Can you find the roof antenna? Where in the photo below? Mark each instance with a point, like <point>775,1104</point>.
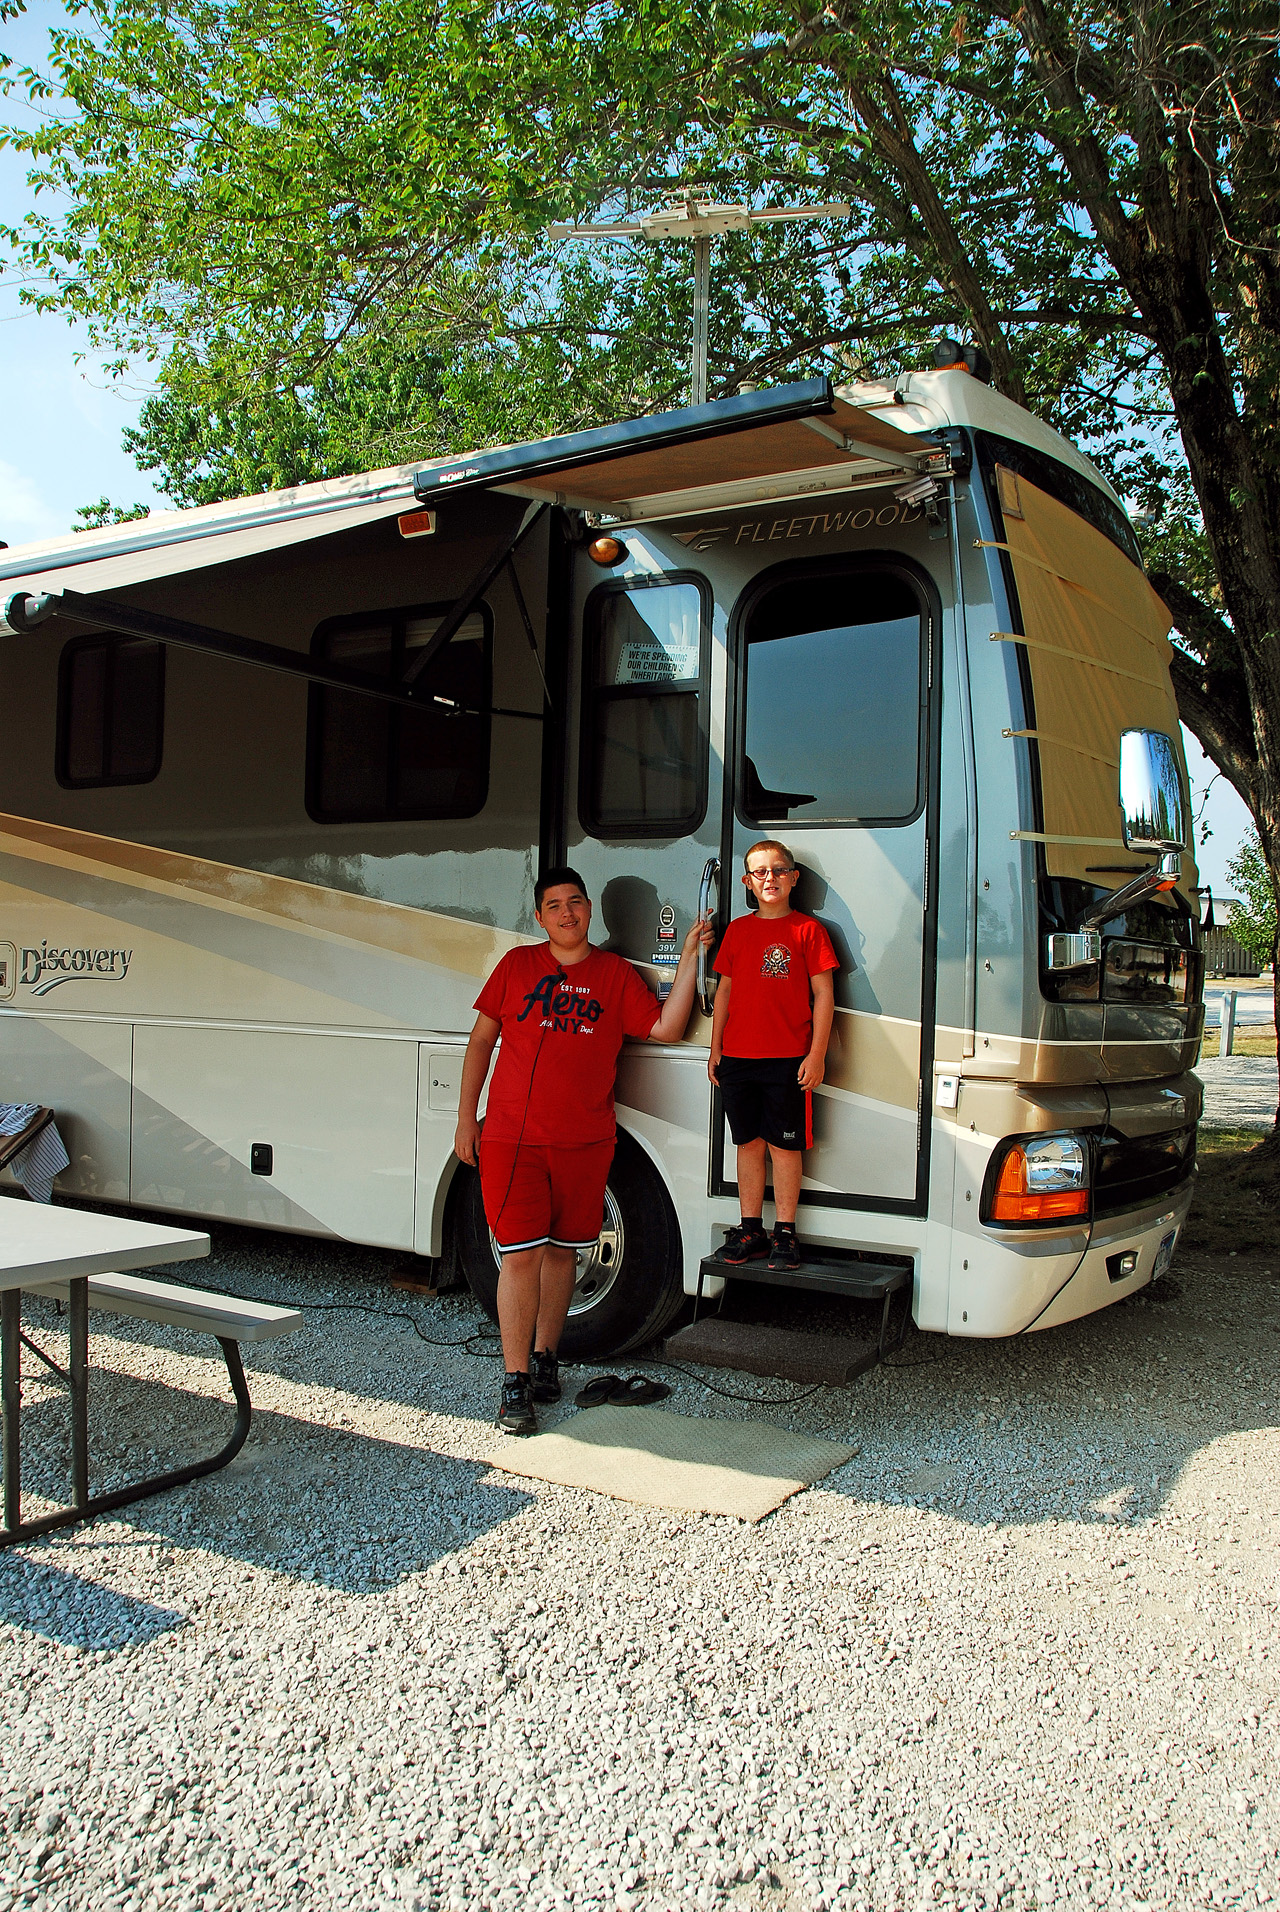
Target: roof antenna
<point>692,214</point>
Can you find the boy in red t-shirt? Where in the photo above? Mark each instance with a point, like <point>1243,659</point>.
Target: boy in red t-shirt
<point>769,1035</point>
<point>563,1010</point>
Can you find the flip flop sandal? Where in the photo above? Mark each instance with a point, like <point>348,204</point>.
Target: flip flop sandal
<point>637,1391</point>
<point>597,1392</point>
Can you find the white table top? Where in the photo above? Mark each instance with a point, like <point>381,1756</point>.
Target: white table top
<point>39,1244</point>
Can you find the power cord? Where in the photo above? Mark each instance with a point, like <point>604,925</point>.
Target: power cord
<point>467,1344</point>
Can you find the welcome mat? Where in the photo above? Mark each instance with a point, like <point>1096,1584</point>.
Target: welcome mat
<point>661,1459</point>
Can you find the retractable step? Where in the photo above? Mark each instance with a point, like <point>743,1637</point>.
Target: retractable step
<point>823,1274</point>
<point>783,1354</point>
<point>828,1360</point>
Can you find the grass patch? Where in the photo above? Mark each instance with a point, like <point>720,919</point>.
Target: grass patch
<point>1236,1206</point>
<point>1257,1040</point>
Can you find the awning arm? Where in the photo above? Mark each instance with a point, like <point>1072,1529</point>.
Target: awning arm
<point>23,613</point>
<point>456,617</point>
<point>859,448</point>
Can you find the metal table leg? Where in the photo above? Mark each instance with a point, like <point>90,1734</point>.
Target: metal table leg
<point>10,1358</point>
<point>84,1504</point>
<point>78,1379</point>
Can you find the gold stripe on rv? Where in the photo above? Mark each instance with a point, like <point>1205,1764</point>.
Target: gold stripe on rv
<point>448,942</point>
<point>875,1057</point>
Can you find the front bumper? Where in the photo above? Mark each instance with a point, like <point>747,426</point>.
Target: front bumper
<point>1010,1282</point>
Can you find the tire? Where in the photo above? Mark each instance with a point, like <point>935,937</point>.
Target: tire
<point>632,1285</point>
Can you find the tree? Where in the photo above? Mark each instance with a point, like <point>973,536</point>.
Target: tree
<point>263,189</point>
<point>104,512</point>
<point>1252,920</point>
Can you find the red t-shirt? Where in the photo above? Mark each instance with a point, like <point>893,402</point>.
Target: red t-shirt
<point>770,961</point>
<point>561,1033</point>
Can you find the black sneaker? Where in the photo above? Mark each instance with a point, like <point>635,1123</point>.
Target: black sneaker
<point>784,1251</point>
<point>516,1415</point>
<point>544,1374</point>
<point>744,1244</point>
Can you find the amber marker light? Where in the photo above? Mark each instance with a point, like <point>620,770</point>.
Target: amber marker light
<point>1043,1178</point>
<point>606,550</point>
<point>417,524</point>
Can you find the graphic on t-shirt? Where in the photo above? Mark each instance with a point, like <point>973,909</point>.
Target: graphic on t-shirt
<point>776,960</point>
<point>564,1005</point>
<point>561,1033</point>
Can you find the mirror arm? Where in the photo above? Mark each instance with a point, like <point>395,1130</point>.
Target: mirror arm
<point>1161,876</point>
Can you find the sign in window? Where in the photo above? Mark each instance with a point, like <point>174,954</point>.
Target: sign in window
<point>644,756</point>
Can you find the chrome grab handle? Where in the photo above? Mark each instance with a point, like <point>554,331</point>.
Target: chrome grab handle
<point>706,986</point>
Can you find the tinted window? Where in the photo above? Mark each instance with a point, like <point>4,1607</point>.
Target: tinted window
<point>833,700</point>
<point>374,762</point>
<point>110,712</point>
<point>1070,488</point>
<point>643,765</point>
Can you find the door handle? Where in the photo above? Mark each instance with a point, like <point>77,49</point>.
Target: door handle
<point>706,983</point>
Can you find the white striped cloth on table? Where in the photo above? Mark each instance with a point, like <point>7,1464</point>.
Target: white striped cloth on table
<point>44,1158</point>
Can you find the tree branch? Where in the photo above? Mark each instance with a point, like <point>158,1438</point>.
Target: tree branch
<point>1231,749</point>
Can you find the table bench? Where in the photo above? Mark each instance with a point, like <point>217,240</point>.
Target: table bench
<point>226,1317</point>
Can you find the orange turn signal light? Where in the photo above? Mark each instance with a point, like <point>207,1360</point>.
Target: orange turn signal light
<point>607,550</point>
<point>1012,1201</point>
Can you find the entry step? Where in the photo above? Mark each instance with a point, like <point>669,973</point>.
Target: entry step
<point>827,1275</point>
<point>822,1360</point>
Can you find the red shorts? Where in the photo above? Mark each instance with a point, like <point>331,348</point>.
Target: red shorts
<point>535,1194</point>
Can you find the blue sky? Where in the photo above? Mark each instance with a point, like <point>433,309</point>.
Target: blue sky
<point>64,419</point>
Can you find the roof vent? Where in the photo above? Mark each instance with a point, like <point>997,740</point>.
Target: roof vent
<point>950,356</point>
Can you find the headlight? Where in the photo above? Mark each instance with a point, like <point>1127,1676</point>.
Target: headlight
<point>1037,1178</point>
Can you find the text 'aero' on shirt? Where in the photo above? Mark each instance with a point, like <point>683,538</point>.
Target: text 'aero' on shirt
<point>769,961</point>
<point>562,1029</point>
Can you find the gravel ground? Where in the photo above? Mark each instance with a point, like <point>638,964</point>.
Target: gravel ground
<point>1021,1651</point>
<point>1239,1091</point>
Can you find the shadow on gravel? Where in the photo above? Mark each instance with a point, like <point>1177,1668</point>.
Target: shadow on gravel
<point>1093,1422</point>
<point>74,1611</point>
<point>326,1505</point>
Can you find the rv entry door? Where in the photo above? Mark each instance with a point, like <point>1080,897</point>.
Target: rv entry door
<point>831,751</point>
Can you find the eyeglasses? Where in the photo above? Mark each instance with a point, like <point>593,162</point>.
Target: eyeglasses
<point>758,876</point>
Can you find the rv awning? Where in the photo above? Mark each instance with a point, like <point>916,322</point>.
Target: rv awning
<point>170,542</point>
<point>792,438</point>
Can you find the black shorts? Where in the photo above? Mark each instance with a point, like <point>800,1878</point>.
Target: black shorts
<point>762,1099</point>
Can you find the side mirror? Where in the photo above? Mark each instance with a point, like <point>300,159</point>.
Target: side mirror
<point>1155,819</point>
<point>1151,799</point>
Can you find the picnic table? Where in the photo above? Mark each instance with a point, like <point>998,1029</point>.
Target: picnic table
<point>82,1258</point>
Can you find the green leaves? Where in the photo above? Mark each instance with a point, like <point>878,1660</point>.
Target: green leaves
<point>323,220</point>
<point>1252,920</point>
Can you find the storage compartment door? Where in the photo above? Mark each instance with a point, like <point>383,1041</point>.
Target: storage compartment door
<point>338,1113</point>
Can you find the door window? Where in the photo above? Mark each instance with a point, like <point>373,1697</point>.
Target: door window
<point>644,751</point>
<point>110,712</point>
<point>833,689</point>
<point>372,762</point>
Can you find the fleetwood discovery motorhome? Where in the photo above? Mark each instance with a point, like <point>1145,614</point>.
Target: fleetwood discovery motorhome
<point>278,774</point>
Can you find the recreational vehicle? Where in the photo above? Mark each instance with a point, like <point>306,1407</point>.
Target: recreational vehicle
<point>278,775</point>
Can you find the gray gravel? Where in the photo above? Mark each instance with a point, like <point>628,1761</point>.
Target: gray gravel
<point>1021,1651</point>
<point>1240,1092</point>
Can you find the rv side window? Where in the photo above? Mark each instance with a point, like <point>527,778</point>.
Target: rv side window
<point>643,745</point>
<point>370,762</point>
<point>110,712</point>
<point>832,718</point>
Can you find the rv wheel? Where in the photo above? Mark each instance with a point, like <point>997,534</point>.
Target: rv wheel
<point>628,1287</point>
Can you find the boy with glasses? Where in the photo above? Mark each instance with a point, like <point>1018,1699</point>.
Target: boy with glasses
<point>769,1034</point>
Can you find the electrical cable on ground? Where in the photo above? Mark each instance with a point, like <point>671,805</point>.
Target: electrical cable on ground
<point>466,1345</point>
